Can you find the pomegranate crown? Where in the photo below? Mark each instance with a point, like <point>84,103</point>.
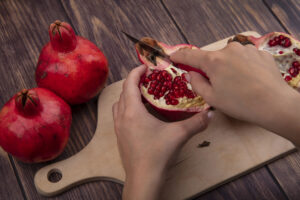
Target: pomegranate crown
<point>27,102</point>
<point>62,36</point>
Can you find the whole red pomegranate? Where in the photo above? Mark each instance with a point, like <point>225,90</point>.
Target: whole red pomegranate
<point>71,66</point>
<point>285,50</point>
<point>164,85</point>
<point>34,125</point>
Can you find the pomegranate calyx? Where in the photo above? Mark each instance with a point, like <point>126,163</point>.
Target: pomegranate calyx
<point>62,36</point>
<point>27,102</point>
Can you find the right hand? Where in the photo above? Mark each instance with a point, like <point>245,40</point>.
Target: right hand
<point>244,82</point>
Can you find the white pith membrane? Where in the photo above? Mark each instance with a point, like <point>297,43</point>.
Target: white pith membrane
<point>195,104</point>
<point>284,57</point>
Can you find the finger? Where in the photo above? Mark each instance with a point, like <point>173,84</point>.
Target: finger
<point>196,123</point>
<point>200,85</point>
<point>131,90</point>
<point>191,57</point>
<point>251,46</point>
<point>121,104</point>
<point>115,111</point>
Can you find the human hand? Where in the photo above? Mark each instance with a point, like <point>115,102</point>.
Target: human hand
<point>147,145</point>
<point>243,81</point>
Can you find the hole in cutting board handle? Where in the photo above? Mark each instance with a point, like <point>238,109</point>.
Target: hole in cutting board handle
<point>54,175</point>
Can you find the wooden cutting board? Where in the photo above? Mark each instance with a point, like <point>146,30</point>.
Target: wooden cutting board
<point>235,149</point>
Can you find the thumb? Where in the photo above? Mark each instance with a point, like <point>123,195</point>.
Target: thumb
<point>200,85</point>
<point>196,123</point>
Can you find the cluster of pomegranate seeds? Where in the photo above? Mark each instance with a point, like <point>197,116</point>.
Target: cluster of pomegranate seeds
<point>293,70</point>
<point>162,84</point>
<point>297,51</point>
<point>280,40</point>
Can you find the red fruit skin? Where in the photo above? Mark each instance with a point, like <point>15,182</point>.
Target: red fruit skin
<point>38,137</point>
<point>76,76</point>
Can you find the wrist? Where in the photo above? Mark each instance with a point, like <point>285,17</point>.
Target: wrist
<point>281,113</point>
<point>143,183</point>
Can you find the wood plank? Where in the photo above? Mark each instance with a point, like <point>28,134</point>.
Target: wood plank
<point>9,186</point>
<point>108,18</point>
<point>287,13</point>
<point>287,170</point>
<point>217,19</point>
<point>256,185</point>
<point>23,26</point>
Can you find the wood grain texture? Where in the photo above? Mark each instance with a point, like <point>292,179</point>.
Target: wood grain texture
<point>23,32</point>
<point>287,170</point>
<point>102,21</point>
<point>9,186</point>
<point>217,19</point>
<point>287,13</point>
<point>257,185</point>
<point>232,17</point>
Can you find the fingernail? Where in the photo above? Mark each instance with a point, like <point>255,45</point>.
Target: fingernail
<point>187,77</point>
<point>210,114</point>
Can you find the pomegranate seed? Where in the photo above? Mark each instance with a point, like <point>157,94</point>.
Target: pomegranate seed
<point>177,79</point>
<point>288,78</point>
<point>176,87</point>
<point>153,76</point>
<point>164,73</point>
<point>183,77</point>
<point>147,80</point>
<point>159,77</point>
<point>293,71</point>
<point>156,71</point>
<point>156,92</point>
<point>298,52</point>
<point>163,88</point>
<point>151,91</point>
<point>145,84</point>
<point>280,52</point>
<point>272,43</point>
<point>161,94</point>
<point>281,37</point>
<point>174,101</point>
<point>294,49</point>
<point>295,64</point>
<point>158,87</point>
<point>287,42</point>
<point>276,39</point>
<point>168,102</point>
<point>174,71</point>
<point>169,77</point>
<point>152,85</point>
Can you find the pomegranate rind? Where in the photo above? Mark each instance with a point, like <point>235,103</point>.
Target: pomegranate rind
<point>186,107</point>
<point>36,138</point>
<point>284,56</point>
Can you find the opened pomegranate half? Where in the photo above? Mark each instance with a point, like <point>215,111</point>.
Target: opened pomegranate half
<point>285,50</point>
<point>164,84</point>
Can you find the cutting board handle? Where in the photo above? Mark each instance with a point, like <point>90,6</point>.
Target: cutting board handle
<point>77,169</point>
<point>69,171</point>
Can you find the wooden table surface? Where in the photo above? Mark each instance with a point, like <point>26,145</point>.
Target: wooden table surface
<point>24,23</point>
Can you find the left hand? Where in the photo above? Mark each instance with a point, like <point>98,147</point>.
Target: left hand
<point>147,145</point>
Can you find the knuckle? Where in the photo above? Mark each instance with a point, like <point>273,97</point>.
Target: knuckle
<point>234,46</point>
<point>214,57</point>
